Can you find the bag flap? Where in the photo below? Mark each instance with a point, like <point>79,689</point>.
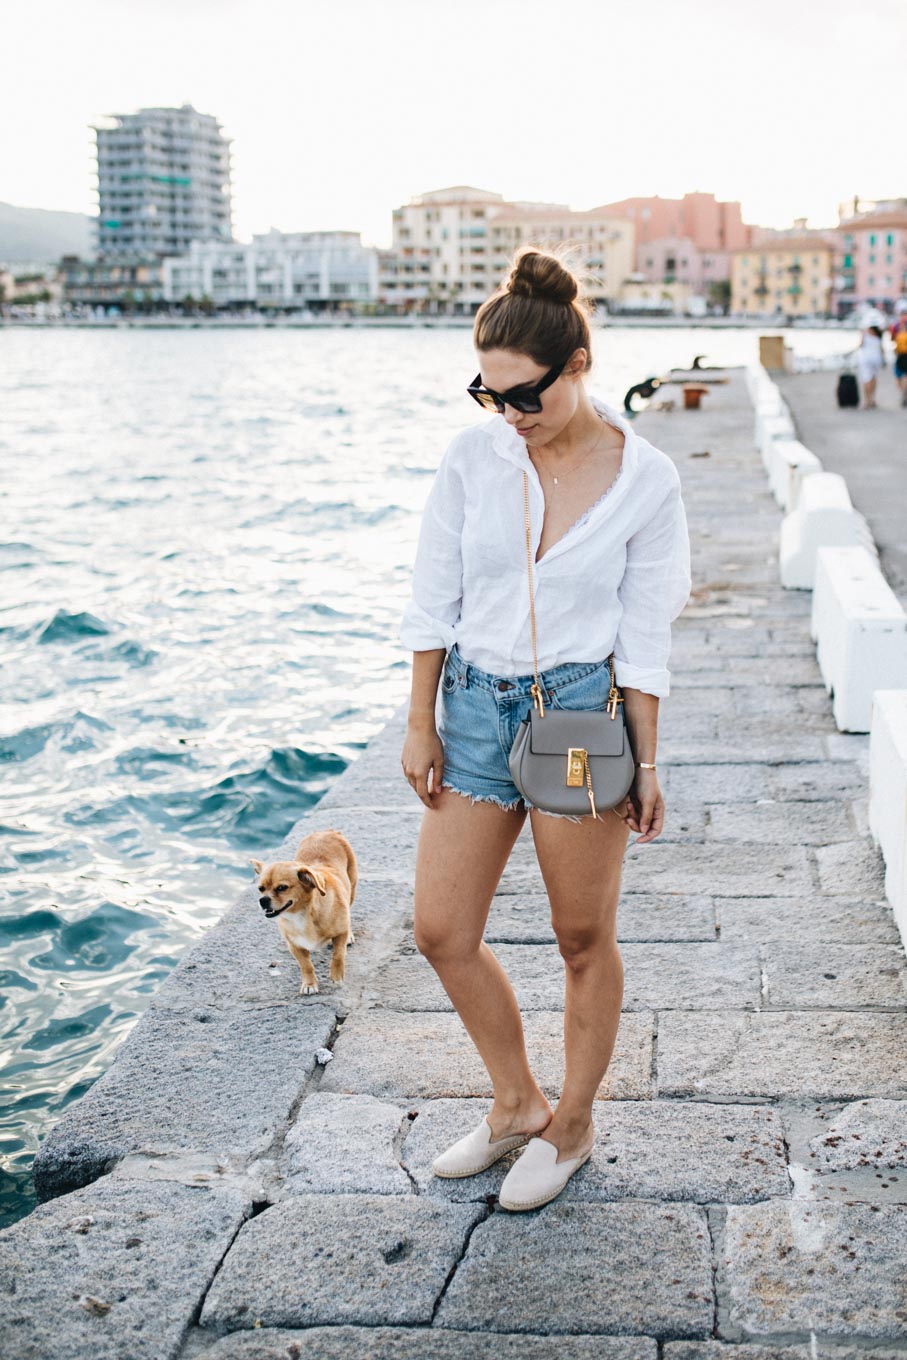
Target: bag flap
<point>559,729</point>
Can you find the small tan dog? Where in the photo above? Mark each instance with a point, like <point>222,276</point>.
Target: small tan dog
<point>311,899</point>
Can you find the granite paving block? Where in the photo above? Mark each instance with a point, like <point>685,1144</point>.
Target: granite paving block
<point>815,1267</point>
<point>201,1080</point>
<point>722,870</point>
<point>328,1259</point>
<point>864,1133</point>
<point>721,1350</point>
<point>834,1054</point>
<point>396,1054</point>
<point>809,919</point>
<point>730,783</point>
<point>765,746</point>
<point>776,823</point>
<point>344,1143</point>
<point>853,976</point>
<point>627,1267</point>
<point>816,782</point>
<point>384,840</point>
<point>690,976</point>
<point>112,1271</point>
<point>420,1343</point>
<point>519,919</point>
<point>783,700</point>
<point>658,1150</point>
<point>243,960</point>
<point>851,869</point>
<point>685,975</point>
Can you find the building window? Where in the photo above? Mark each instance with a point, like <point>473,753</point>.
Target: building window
<point>872,238</point>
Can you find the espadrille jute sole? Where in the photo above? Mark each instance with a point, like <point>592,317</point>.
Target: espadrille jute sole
<point>474,1170</point>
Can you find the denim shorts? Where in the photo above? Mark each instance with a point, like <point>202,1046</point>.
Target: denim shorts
<point>480,714</point>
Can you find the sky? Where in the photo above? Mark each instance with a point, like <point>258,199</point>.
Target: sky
<point>339,112</point>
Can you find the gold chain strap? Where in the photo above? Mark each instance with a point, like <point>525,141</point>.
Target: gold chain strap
<point>535,689</point>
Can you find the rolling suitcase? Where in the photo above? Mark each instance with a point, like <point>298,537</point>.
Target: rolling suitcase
<point>848,391</point>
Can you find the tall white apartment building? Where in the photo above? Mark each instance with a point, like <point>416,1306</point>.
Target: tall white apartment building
<point>163,182</point>
<point>451,247</point>
<point>314,269</point>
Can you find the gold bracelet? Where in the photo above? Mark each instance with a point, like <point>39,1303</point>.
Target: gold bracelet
<point>644,765</point>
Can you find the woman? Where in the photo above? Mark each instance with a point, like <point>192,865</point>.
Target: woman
<point>612,570</point>
<point>869,364</point>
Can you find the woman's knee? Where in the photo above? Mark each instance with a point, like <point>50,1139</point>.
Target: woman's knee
<point>581,946</point>
<point>439,943</point>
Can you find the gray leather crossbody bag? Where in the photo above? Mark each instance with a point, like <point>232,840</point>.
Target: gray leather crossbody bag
<point>570,761</point>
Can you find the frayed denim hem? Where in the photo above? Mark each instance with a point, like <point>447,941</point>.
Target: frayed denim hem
<point>482,797</point>
<point>508,807</point>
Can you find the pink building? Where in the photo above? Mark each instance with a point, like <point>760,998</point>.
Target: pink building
<point>871,265</point>
<point>686,240</point>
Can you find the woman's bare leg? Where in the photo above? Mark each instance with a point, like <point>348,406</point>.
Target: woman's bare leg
<point>582,865</point>
<point>463,848</point>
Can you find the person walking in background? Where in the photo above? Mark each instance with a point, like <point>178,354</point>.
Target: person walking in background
<point>899,336</point>
<point>869,364</point>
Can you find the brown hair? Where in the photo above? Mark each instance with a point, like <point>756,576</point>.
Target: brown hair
<point>539,310</point>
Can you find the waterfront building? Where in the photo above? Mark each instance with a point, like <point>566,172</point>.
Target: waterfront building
<point>451,247</point>
<point>684,242</point>
<point>871,259</point>
<point>700,218</point>
<point>27,285</point>
<point>601,246</point>
<point>317,270</point>
<point>163,182</point>
<point>119,282</point>
<point>439,255</point>
<point>784,275</point>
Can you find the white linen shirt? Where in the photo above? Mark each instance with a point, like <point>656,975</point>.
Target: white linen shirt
<point>614,581</point>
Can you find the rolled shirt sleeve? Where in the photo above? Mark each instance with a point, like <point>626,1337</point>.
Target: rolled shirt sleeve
<point>437,582</point>
<point>655,588</point>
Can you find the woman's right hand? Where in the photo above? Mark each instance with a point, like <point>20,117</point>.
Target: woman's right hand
<point>423,751</point>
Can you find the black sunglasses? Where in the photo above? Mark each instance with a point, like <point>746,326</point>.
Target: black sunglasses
<point>526,397</point>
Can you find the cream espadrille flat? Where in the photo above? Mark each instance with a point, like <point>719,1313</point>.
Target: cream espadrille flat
<point>476,1151</point>
<point>536,1176</point>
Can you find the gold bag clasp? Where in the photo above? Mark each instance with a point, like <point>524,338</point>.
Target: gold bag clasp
<point>576,762</point>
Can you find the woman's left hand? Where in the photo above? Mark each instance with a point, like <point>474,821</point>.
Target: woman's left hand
<point>645,806</point>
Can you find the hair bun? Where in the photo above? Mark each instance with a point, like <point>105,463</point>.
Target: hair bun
<point>536,274</point>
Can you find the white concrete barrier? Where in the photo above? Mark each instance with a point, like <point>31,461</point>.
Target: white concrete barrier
<point>823,517</point>
<point>860,632</point>
<point>888,794</point>
<point>789,462</point>
<point>774,427</point>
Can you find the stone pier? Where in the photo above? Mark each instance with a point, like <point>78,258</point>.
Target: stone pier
<point>251,1179</point>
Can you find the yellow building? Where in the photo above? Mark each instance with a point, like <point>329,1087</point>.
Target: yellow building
<point>788,275</point>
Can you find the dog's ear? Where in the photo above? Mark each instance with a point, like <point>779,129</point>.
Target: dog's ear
<point>310,878</point>
<point>256,865</point>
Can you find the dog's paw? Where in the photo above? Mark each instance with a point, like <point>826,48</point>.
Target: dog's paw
<point>351,938</point>
<point>307,988</point>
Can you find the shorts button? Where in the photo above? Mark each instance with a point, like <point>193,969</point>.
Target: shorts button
<point>504,684</point>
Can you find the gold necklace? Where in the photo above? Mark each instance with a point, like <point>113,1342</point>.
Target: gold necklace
<point>582,461</point>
